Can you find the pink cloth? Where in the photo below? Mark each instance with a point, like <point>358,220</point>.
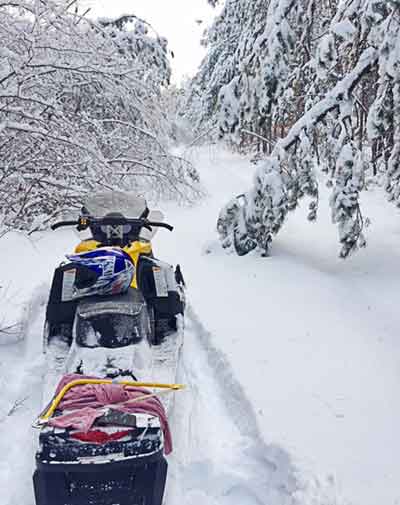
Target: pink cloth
<point>87,401</point>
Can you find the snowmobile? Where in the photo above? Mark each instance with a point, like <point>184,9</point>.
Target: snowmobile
<point>114,316</point>
<point>154,287</point>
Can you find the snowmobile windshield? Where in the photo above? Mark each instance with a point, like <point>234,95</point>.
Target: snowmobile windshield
<point>123,202</point>
<point>108,330</point>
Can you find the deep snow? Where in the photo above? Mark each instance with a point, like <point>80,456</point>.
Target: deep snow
<point>292,361</point>
<point>312,339</point>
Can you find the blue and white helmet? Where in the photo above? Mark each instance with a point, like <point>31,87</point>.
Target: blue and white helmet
<point>104,271</point>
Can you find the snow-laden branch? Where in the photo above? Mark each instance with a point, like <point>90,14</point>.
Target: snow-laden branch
<point>337,96</point>
<point>80,105</point>
<point>347,52</point>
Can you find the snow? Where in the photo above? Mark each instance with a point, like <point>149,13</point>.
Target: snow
<point>291,361</point>
<point>312,339</point>
<point>344,29</point>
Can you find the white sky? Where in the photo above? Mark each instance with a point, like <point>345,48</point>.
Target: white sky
<point>173,19</point>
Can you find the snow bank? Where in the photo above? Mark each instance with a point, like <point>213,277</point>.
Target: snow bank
<point>26,263</point>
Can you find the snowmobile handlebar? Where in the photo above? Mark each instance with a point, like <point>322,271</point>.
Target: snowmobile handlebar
<point>63,223</point>
<point>85,222</point>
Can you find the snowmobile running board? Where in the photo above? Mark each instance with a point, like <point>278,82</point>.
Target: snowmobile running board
<point>46,415</point>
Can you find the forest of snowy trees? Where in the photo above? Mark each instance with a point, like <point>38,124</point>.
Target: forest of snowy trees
<point>302,85</point>
<point>307,84</point>
<point>80,110</point>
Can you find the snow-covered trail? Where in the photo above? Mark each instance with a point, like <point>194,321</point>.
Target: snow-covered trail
<point>312,339</point>
<point>220,456</point>
<point>291,362</point>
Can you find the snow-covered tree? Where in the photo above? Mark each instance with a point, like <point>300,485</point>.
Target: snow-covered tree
<point>80,110</point>
<point>329,72</point>
<point>254,73</point>
<point>217,69</point>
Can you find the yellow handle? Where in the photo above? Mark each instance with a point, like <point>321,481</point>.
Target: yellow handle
<point>79,382</point>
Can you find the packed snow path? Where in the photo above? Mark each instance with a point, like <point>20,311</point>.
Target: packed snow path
<point>291,361</point>
<point>219,456</point>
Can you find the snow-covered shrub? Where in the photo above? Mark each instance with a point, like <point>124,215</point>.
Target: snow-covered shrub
<point>80,110</point>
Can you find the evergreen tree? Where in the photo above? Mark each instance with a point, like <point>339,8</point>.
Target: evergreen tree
<point>317,83</point>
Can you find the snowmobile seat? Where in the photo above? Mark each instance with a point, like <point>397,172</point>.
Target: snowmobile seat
<point>112,321</point>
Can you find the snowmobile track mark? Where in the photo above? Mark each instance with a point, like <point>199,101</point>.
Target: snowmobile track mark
<point>223,455</point>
